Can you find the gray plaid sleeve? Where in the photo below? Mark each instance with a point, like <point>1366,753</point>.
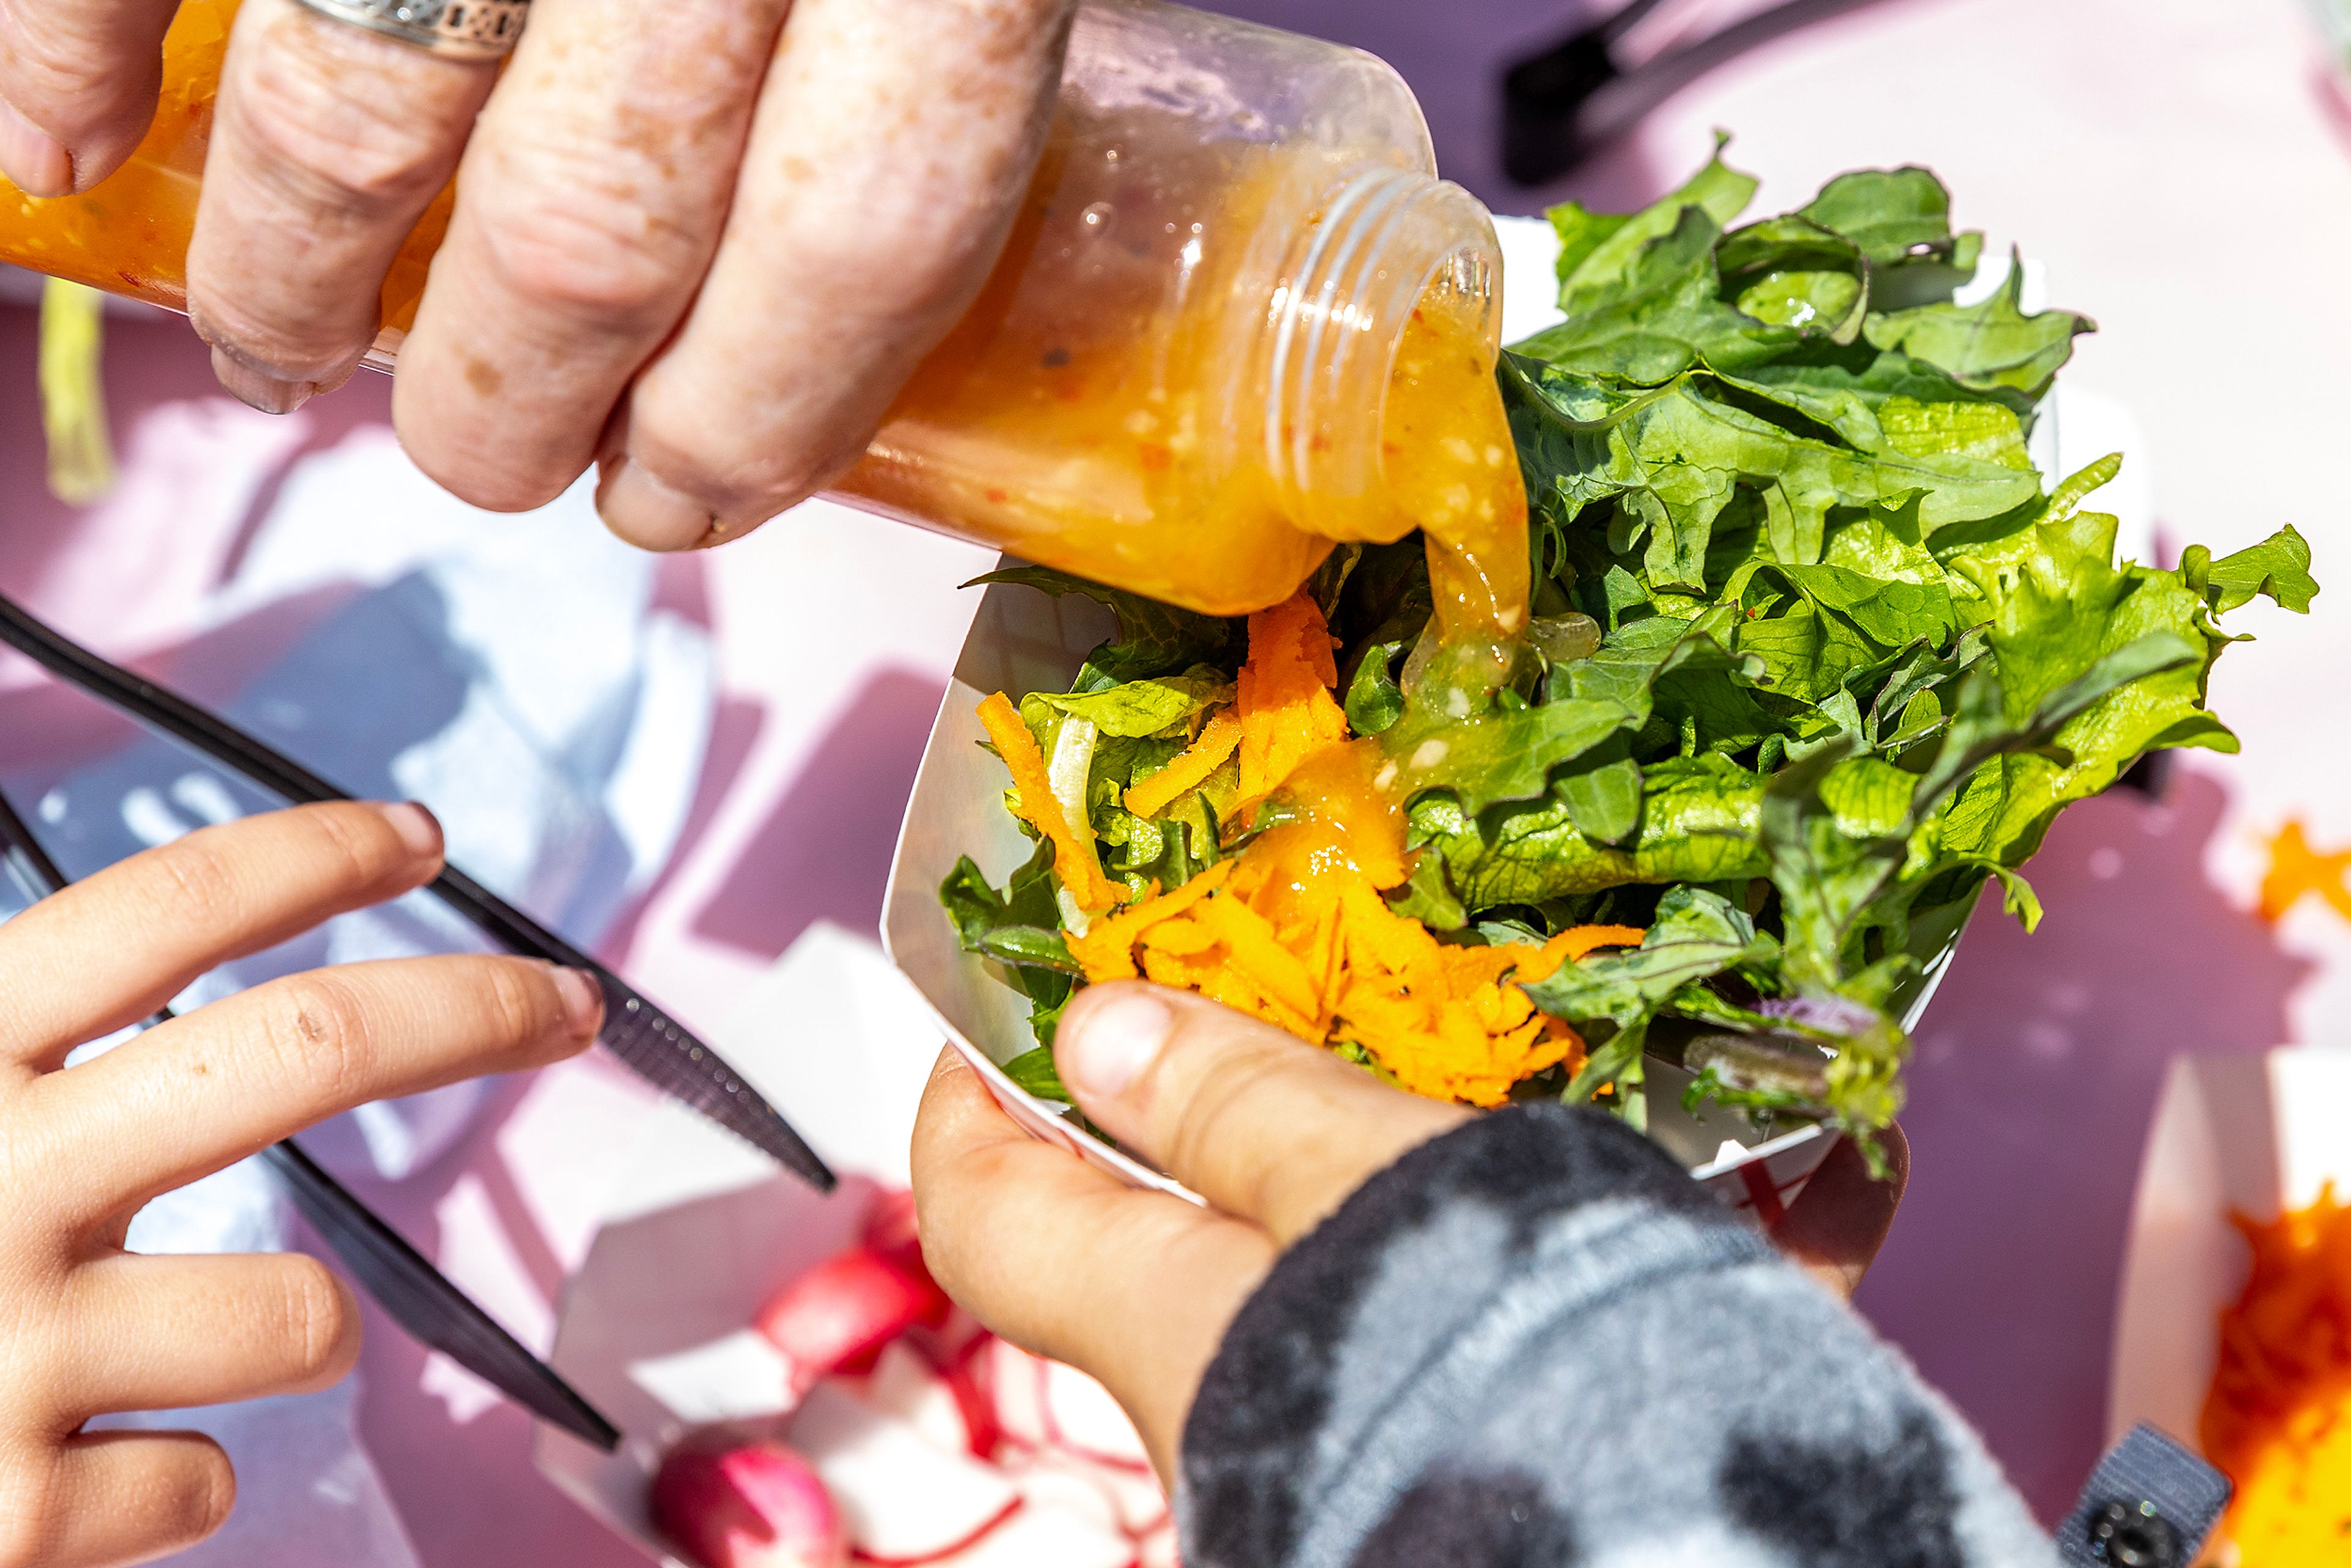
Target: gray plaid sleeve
<point>1535,1344</point>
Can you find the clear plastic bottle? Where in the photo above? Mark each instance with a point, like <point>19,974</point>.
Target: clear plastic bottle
<point>1238,318</point>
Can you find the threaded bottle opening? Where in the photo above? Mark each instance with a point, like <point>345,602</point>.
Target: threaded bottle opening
<point>1384,242</point>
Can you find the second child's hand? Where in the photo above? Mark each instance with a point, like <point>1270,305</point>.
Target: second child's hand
<point>1137,1287</point>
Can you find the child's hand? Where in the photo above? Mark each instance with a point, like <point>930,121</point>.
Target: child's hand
<point>1137,1287</point>
<point>86,1328</point>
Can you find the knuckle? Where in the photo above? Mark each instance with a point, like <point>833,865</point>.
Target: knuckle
<point>587,230</point>
<point>195,1499</point>
<point>51,65</point>
<point>200,885</point>
<point>363,153</point>
<point>320,1034</point>
<point>1208,1142</point>
<point>314,1316</point>
<point>745,471</point>
<point>355,841</point>
<point>514,995</point>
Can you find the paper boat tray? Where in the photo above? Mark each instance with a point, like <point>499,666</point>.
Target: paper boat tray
<point>1023,640</point>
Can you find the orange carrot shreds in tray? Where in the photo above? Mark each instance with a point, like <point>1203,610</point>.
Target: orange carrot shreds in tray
<point>1573,944</point>
<point>1106,950</point>
<point>1287,712</point>
<point>1074,861</point>
<point>2278,1418</point>
<point>1219,739</point>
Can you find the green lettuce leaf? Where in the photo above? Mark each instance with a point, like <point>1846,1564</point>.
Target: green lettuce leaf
<point>1610,997</point>
<point>2279,566</point>
<point>1153,639</point>
<point>1597,251</point>
<point>1133,709</point>
<point>1991,346</point>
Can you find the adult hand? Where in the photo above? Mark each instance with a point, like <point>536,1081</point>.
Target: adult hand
<point>702,243</point>
<point>87,1328</point>
<point>1136,1288</point>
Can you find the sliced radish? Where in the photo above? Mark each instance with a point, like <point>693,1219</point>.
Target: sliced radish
<point>1142,1503</point>
<point>751,1505</point>
<point>1035,1538</point>
<point>1157,1549</point>
<point>967,1376</point>
<point>838,1315</point>
<point>905,1500</point>
<point>908,1388</point>
<point>1051,1483</point>
<point>1080,1414</point>
<point>890,1229</point>
<point>1015,1380</point>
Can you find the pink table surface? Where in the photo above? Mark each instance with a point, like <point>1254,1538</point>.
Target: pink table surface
<point>2186,175</point>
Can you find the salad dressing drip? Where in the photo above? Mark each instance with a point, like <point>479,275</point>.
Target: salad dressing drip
<point>1452,471</point>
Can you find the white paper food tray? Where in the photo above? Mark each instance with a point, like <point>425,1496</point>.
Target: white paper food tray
<point>1023,639</point>
<point>2257,1135</point>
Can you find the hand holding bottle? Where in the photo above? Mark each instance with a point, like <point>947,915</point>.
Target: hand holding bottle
<point>702,243</point>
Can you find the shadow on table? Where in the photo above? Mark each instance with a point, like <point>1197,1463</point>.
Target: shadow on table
<point>2036,1072</point>
<point>823,853</point>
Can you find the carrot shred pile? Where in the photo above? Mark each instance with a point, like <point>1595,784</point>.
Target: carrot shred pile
<point>1074,859</point>
<point>1287,712</point>
<point>2278,1418</point>
<point>1293,928</point>
<point>1218,738</point>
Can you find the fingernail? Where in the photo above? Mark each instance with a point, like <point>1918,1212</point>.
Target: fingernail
<point>648,512</point>
<point>35,160</point>
<point>418,829</point>
<point>583,1002</point>
<point>257,388</point>
<point>1112,1044</point>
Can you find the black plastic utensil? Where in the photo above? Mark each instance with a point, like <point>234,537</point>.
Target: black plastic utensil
<point>646,1039</point>
<point>1561,104</point>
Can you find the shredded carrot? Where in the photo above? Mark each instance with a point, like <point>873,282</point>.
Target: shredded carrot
<point>1573,944</point>
<point>1286,713</point>
<point>1218,740</point>
<point>1293,928</point>
<point>2278,1418</point>
<point>1106,951</point>
<point>1073,857</point>
<point>2296,869</point>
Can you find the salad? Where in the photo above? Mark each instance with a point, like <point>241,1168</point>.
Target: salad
<point>1812,651</point>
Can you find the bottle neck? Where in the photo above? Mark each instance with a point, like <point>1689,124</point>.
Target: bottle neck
<point>1386,240</point>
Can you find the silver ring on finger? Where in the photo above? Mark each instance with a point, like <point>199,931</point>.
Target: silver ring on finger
<point>459,30</point>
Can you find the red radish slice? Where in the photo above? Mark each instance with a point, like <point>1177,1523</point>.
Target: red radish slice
<point>1053,1484</point>
<point>1142,1504</point>
<point>838,1315</point>
<point>890,1229</point>
<point>1017,1379</point>
<point>1035,1538</point>
<point>904,1501</point>
<point>967,1379</point>
<point>1157,1549</point>
<point>907,1387</point>
<point>753,1505</point>
<point>1080,1414</point>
